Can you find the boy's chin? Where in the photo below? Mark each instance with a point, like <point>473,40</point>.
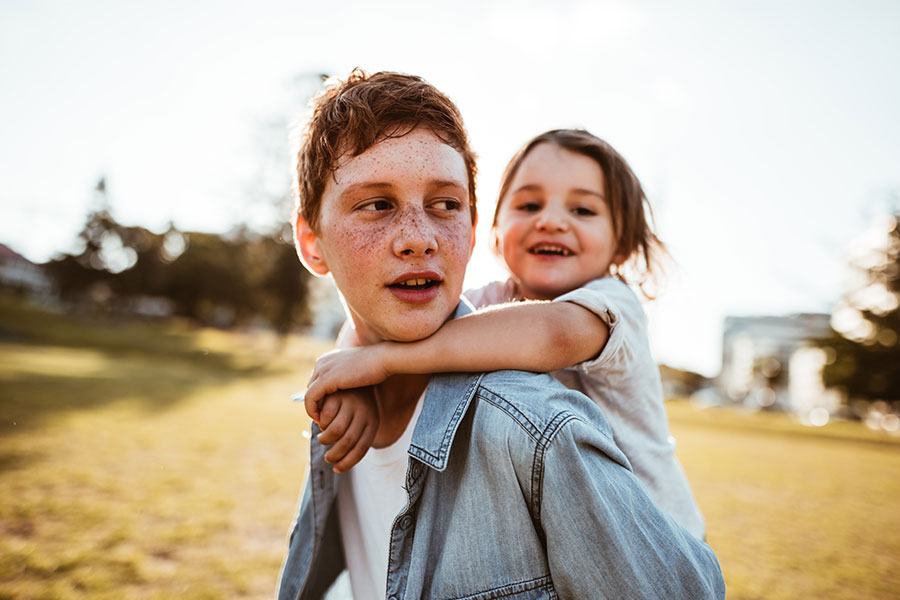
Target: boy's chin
<point>412,334</point>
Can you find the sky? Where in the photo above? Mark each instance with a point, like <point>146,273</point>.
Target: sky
<point>766,133</point>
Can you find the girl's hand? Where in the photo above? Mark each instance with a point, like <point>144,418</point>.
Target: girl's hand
<point>349,421</point>
<point>344,370</point>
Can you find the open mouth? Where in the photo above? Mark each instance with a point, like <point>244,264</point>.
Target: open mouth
<point>550,250</point>
<point>415,284</point>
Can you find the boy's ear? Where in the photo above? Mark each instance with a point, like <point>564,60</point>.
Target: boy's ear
<point>308,247</point>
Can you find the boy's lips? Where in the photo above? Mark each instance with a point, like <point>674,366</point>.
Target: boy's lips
<point>416,287</point>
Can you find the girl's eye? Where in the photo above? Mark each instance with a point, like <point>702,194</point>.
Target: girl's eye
<point>529,207</point>
<point>583,211</point>
<point>376,205</point>
<point>449,204</point>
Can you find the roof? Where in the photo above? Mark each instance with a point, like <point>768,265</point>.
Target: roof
<point>6,253</point>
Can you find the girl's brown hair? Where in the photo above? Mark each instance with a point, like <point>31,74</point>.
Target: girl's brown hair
<point>631,213</point>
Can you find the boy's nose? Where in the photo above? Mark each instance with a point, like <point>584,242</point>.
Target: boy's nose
<point>415,234</point>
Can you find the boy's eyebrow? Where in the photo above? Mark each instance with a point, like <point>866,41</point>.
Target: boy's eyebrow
<point>365,185</point>
<point>444,183</point>
<point>385,186</point>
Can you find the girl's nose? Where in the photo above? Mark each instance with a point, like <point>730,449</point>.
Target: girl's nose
<point>552,220</point>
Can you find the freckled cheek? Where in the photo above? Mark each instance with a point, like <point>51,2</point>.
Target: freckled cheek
<point>355,249</point>
<point>456,238</point>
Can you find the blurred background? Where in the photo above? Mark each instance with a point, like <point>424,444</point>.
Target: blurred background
<point>154,319</point>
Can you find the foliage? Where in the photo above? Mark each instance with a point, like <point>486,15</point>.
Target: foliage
<point>215,279</point>
<point>866,352</point>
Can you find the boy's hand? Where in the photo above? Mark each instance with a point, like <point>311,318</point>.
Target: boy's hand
<point>349,421</point>
<point>344,370</point>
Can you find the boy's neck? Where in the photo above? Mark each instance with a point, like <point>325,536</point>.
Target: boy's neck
<point>396,399</point>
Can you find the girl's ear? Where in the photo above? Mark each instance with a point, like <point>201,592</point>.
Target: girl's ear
<point>308,248</point>
<point>495,242</point>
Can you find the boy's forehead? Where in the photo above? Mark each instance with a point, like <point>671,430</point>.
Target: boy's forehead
<point>418,156</point>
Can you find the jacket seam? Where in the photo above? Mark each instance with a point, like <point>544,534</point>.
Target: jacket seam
<point>509,589</point>
<point>516,415</point>
<point>537,468</point>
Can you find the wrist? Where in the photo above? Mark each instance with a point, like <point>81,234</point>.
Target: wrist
<point>385,355</point>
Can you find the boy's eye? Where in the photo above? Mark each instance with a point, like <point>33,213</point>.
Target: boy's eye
<point>376,205</point>
<point>583,211</point>
<point>449,204</point>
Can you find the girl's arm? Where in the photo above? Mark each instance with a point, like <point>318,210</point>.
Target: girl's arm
<point>529,336</point>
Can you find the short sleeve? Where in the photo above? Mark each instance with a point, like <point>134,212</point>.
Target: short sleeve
<point>617,306</point>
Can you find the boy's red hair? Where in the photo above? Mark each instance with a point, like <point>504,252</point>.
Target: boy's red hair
<point>352,115</point>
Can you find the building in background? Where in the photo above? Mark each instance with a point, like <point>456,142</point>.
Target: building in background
<point>24,277</point>
<point>776,363</point>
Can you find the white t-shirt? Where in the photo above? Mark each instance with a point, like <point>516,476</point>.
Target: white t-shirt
<point>370,496</point>
<point>624,380</point>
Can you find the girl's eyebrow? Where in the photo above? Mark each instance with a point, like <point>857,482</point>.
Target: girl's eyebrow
<point>587,192</point>
<point>528,187</point>
<point>534,187</point>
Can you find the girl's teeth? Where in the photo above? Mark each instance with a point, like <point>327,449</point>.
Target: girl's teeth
<point>551,249</point>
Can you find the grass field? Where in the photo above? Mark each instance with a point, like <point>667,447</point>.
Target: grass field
<point>148,461</point>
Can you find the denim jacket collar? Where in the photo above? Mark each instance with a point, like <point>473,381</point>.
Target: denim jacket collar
<point>446,401</point>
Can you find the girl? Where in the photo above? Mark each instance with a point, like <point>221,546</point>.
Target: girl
<point>572,225</point>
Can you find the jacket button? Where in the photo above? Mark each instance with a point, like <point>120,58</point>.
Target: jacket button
<point>405,522</point>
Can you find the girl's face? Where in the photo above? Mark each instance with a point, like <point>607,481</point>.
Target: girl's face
<point>554,227</point>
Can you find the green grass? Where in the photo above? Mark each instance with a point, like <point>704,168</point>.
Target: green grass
<point>159,461</point>
<point>794,511</point>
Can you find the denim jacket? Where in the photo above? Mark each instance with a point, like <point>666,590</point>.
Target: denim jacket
<point>516,490</point>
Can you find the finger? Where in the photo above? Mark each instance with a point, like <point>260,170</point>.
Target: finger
<point>336,429</point>
<point>358,451</point>
<point>342,446</point>
<point>312,400</point>
<point>331,408</point>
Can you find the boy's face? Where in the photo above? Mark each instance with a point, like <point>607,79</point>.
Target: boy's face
<point>395,233</point>
<point>554,228</point>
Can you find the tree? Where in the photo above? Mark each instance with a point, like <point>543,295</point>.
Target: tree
<point>865,348</point>
<point>221,280</point>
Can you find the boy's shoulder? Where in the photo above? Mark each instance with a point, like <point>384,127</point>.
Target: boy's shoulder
<point>495,292</point>
<point>537,401</point>
<point>509,413</point>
